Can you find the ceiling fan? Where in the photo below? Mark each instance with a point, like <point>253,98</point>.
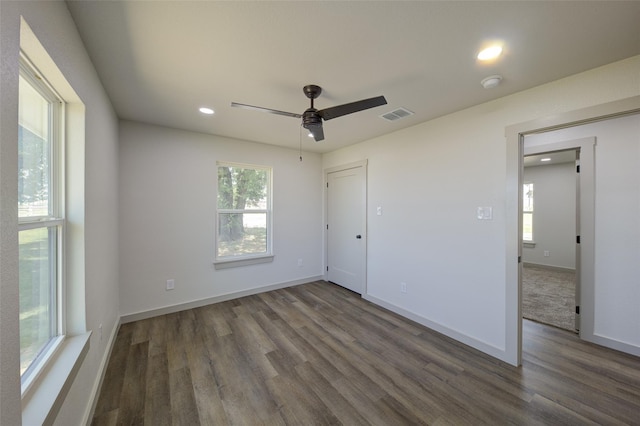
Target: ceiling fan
<point>312,118</point>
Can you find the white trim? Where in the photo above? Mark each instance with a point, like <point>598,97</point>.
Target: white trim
<point>42,406</point>
<point>243,261</point>
<point>449,332</point>
<point>612,343</point>
<point>215,299</point>
<point>355,164</point>
<point>548,267</point>
<point>42,223</point>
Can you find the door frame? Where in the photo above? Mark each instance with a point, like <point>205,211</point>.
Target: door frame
<point>513,204</point>
<point>348,166</point>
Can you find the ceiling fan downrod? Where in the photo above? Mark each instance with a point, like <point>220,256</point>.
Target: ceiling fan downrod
<point>310,118</point>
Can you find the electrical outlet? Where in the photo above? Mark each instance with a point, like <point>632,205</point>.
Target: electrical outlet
<point>546,253</point>
<point>403,287</point>
<point>171,284</point>
<point>299,262</point>
<point>100,328</point>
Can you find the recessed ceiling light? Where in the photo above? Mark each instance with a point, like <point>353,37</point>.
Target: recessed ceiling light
<point>206,110</point>
<point>545,159</point>
<point>310,135</point>
<point>489,53</point>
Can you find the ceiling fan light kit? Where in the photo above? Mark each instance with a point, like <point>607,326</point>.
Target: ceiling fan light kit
<point>312,118</point>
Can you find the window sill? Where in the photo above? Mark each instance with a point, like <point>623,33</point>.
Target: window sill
<point>528,244</point>
<point>41,403</point>
<point>245,261</point>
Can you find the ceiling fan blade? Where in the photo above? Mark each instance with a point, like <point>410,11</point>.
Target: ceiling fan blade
<point>272,111</point>
<point>340,110</point>
<point>316,131</point>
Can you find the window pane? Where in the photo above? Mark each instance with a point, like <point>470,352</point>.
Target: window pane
<point>527,227</point>
<point>242,233</point>
<point>242,188</point>
<point>34,153</point>
<point>527,195</point>
<point>37,248</point>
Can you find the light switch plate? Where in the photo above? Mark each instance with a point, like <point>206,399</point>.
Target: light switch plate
<point>484,213</point>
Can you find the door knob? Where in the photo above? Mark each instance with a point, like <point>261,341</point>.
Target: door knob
<point>358,236</point>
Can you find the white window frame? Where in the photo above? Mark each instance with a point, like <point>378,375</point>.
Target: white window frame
<point>55,219</point>
<point>529,212</point>
<point>223,262</point>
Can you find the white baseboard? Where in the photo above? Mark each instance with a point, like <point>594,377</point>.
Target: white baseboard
<point>487,348</point>
<point>215,299</point>
<point>549,267</point>
<point>611,343</point>
<point>102,370</point>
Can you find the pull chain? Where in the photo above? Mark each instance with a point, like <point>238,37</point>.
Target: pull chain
<point>300,142</point>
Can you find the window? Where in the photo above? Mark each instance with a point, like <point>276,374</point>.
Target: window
<point>243,212</point>
<point>527,212</point>
<point>40,219</point>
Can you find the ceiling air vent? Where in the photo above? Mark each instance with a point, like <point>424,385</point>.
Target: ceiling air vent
<point>397,114</point>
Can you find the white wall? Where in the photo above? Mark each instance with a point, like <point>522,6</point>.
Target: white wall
<point>53,26</point>
<point>167,217</point>
<point>554,217</point>
<point>616,315</point>
<point>430,179</point>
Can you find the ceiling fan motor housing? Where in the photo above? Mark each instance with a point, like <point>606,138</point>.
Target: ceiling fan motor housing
<point>311,118</point>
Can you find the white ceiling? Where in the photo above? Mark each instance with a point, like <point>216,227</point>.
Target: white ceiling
<point>161,61</point>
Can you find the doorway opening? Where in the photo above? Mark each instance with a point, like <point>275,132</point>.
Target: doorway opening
<point>550,253</point>
<point>550,133</point>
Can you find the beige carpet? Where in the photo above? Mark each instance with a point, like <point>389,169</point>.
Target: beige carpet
<point>548,296</point>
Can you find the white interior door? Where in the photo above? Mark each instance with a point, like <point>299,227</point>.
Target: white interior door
<point>346,228</point>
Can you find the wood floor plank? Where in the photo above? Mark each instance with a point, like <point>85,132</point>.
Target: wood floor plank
<point>131,406</point>
<point>205,389</point>
<point>276,329</point>
<point>319,354</point>
<point>255,344</point>
<point>239,384</point>
<point>413,396</point>
<point>110,395</point>
<point>298,405</point>
<point>338,357</point>
<point>110,418</point>
<point>157,409</point>
<point>339,406</point>
<point>372,410</point>
<point>184,410</point>
<point>550,412</point>
<point>240,411</point>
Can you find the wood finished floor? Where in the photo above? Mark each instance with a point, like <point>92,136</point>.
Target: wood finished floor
<point>319,354</point>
